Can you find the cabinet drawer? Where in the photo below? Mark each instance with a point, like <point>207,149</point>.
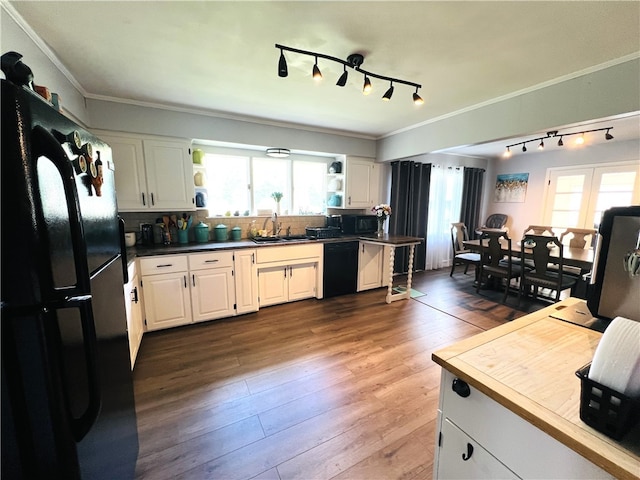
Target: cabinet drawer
<point>163,264</point>
<point>462,457</point>
<point>201,261</point>
<point>288,253</point>
<point>517,443</point>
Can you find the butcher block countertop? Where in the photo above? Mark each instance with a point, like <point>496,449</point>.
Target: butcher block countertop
<point>528,366</point>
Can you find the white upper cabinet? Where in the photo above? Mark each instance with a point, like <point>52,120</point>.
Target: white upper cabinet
<point>151,174</point>
<point>362,183</point>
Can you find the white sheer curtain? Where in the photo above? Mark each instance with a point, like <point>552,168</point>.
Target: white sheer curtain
<point>445,198</point>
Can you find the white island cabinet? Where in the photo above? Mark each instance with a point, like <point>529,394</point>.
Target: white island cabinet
<point>151,173</point>
<point>370,265</point>
<point>133,307</point>
<point>510,402</point>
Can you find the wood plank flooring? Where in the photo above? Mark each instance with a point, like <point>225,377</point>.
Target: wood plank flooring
<point>342,388</point>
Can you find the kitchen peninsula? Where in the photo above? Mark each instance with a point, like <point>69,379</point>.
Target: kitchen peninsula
<point>509,405</point>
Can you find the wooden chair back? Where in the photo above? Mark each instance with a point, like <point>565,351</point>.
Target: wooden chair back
<point>459,234</point>
<point>578,237</point>
<point>539,230</point>
<point>540,245</point>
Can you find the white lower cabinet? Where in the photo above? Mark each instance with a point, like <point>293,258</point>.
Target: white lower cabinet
<point>370,266</point>
<point>504,444</point>
<point>286,283</point>
<point>246,281</point>
<point>133,307</point>
<point>212,287</point>
<point>167,301</point>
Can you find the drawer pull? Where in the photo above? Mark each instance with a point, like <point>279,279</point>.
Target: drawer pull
<point>164,265</point>
<point>461,388</point>
<point>467,456</point>
<point>211,261</point>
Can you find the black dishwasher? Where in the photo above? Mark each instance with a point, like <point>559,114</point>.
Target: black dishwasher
<point>340,268</point>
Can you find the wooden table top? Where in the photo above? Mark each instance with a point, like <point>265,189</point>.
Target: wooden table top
<point>575,257</point>
<point>528,366</point>
<point>395,240</point>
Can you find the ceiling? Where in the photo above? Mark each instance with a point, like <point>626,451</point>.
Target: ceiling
<point>219,56</point>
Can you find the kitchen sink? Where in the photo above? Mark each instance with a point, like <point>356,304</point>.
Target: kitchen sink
<point>283,238</point>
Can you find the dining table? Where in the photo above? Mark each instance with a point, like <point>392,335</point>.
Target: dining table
<point>581,258</point>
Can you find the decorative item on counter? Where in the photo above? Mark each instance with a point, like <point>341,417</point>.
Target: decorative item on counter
<point>382,211</point>
<point>183,236</point>
<point>335,167</point>
<point>236,234</point>
<point>202,232</point>
<point>221,232</point>
<point>147,234</point>
<point>130,239</point>
<point>253,230</point>
<point>198,156</point>
<point>277,196</point>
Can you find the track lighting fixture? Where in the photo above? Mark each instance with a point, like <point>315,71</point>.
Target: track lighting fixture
<point>317,75</point>
<point>387,96</point>
<point>366,88</point>
<point>278,152</point>
<point>554,133</point>
<point>354,61</point>
<point>282,65</point>
<point>342,81</point>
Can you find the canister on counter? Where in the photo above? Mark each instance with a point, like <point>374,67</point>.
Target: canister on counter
<point>202,232</point>
<point>221,233</point>
<point>236,234</point>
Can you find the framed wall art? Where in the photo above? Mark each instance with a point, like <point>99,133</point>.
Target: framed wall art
<point>511,187</point>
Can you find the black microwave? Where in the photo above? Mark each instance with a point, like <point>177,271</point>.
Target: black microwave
<point>359,224</point>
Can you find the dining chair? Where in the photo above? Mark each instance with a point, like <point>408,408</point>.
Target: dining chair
<point>542,275</point>
<point>462,256</point>
<point>577,237</point>
<point>496,260</point>
<point>495,221</point>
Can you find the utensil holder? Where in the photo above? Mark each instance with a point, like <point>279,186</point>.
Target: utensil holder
<point>604,409</point>
<point>183,236</point>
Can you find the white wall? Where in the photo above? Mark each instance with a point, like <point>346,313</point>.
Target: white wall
<point>536,164</point>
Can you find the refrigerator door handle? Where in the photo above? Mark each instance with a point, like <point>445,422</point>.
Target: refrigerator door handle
<point>81,425</point>
<point>45,144</point>
<point>123,251</point>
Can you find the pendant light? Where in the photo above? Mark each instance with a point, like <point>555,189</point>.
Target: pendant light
<point>366,88</point>
<point>282,65</point>
<point>317,75</point>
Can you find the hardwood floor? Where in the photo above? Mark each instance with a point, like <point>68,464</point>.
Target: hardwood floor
<point>342,388</point>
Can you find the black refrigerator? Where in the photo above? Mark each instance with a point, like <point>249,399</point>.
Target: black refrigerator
<point>67,393</point>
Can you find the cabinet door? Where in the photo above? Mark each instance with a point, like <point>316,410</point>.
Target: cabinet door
<point>370,259</point>
<point>361,184</point>
<point>131,184</point>
<point>272,286</point>
<point>169,175</point>
<point>212,294</point>
<point>302,281</point>
<point>462,457</point>
<point>135,326</point>
<point>246,280</point>
<point>166,300</point>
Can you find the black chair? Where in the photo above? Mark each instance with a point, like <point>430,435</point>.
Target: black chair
<point>547,272</point>
<point>496,261</point>
<point>462,256</point>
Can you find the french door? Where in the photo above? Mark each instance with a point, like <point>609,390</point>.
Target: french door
<point>576,197</point>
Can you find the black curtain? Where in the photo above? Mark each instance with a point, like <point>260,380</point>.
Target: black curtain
<point>410,204</point>
<point>471,199</point>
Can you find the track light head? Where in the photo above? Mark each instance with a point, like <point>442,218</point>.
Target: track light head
<point>417,99</point>
<point>366,88</point>
<point>507,153</point>
<point>580,139</point>
<point>282,65</point>
<point>560,142</point>
<point>541,146</point>
<point>387,96</point>
<point>524,147</point>
<point>608,136</point>
<point>317,75</point>
<point>342,81</point>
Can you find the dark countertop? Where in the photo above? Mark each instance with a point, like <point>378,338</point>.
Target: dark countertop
<point>193,247</point>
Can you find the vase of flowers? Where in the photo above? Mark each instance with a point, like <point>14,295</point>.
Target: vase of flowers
<point>277,196</point>
<point>382,211</point>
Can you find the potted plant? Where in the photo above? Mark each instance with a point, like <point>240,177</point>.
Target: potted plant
<point>277,196</point>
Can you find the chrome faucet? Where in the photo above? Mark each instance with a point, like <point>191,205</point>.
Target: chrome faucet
<point>274,219</point>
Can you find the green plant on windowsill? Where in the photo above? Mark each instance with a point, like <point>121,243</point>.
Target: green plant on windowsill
<point>277,196</point>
